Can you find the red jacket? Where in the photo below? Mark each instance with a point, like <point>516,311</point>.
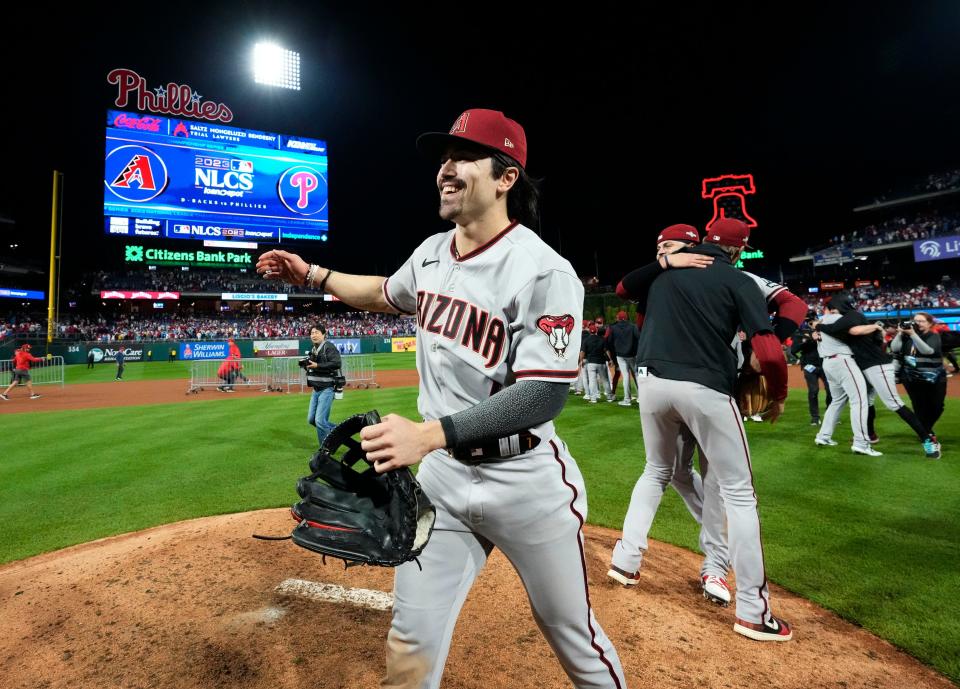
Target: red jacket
<point>22,359</point>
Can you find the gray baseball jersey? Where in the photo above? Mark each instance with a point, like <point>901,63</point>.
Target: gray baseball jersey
<point>508,311</point>
<point>846,385</point>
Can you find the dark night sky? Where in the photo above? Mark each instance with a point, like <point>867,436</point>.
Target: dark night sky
<point>624,112</point>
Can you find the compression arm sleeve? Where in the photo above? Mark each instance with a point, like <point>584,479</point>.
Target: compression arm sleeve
<point>515,408</point>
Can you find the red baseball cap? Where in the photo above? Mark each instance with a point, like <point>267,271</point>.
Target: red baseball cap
<point>729,232</point>
<point>488,128</point>
<point>679,233</point>
<point>621,315</point>
<point>26,347</point>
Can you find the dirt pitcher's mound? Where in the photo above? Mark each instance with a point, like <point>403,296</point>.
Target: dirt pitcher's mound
<point>196,605</point>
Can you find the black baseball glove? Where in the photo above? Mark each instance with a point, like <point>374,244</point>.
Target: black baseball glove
<point>361,517</point>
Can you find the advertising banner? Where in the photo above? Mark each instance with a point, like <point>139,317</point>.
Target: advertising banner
<point>938,249</point>
<point>108,352</point>
<point>252,296</point>
<point>276,347</point>
<point>347,345</point>
<point>403,344</point>
<point>127,294</point>
<point>204,350</point>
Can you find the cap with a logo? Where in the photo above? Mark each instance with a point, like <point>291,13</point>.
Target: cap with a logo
<point>729,232</point>
<point>488,128</point>
<point>679,233</point>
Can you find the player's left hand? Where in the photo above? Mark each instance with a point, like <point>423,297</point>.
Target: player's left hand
<point>754,362</point>
<point>398,442</point>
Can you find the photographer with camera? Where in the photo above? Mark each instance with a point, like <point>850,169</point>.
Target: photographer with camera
<point>322,366</point>
<point>804,347</point>
<point>922,372</point>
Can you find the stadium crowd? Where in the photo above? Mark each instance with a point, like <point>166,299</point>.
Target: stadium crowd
<point>104,329</point>
<point>898,229</point>
<point>874,299</point>
<point>198,281</point>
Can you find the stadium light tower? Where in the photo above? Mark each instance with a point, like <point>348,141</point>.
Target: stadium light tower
<point>276,66</point>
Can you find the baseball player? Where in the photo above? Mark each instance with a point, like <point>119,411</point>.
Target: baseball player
<point>497,345</point>
<point>22,358</point>
<point>846,385</point>
<point>866,343</point>
<point>686,376</point>
<point>594,358</point>
<point>702,496</point>
<point>623,338</point>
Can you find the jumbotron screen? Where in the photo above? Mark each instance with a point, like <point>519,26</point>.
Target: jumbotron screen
<point>180,179</point>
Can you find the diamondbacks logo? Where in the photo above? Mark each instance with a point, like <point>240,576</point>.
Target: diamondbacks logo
<point>557,329</point>
<point>303,190</point>
<point>135,173</point>
<point>460,126</point>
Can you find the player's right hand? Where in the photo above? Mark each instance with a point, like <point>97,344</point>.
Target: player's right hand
<point>776,411</point>
<point>282,265</point>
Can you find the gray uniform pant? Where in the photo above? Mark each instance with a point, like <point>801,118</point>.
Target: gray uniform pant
<point>595,374</point>
<point>846,385</point>
<point>628,371</point>
<point>715,422</point>
<point>883,382</point>
<point>532,508</point>
<point>703,501</point>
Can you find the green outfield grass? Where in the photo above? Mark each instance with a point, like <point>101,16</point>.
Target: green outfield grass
<point>874,539</point>
<point>174,370</point>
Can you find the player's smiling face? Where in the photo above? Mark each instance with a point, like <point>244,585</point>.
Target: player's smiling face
<point>466,184</point>
<point>670,246</point>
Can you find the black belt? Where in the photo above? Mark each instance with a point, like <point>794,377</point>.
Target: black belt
<point>501,448</point>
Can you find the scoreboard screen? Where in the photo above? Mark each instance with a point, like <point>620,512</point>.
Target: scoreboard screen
<point>179,179</point>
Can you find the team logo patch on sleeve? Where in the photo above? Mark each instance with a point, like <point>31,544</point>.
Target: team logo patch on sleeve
<point>557,329</point>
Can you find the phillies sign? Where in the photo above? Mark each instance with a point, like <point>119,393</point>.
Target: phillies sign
<point>172,99</point>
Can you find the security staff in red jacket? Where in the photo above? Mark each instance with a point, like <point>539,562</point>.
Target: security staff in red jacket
<point>22,358</point>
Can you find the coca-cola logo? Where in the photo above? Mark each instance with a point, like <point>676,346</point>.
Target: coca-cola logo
<point>148,124</point>
<point>172,99</point>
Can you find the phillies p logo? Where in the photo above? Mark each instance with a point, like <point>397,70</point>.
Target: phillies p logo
<point>557,329</point>
<point>303,190</point>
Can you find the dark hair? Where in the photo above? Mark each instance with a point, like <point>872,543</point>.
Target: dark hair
<point>320,327</point>
<point>523,199</point>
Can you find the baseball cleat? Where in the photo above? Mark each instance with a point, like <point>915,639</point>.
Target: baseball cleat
<point>873,438</point>
<point>776,630</point>
<point>611,399</point>
<point>4,398</point>
<point>624,402</point>
<point>869,451</point>
<point>716,589</point>
<point>824,442</point>
<point>931,448</point>
<point>34,396</point>
<point>623,577</point>
<point>814,422</point>
<point>757,418</point>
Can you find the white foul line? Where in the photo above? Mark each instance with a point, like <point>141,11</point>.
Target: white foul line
<point>365,598</point>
